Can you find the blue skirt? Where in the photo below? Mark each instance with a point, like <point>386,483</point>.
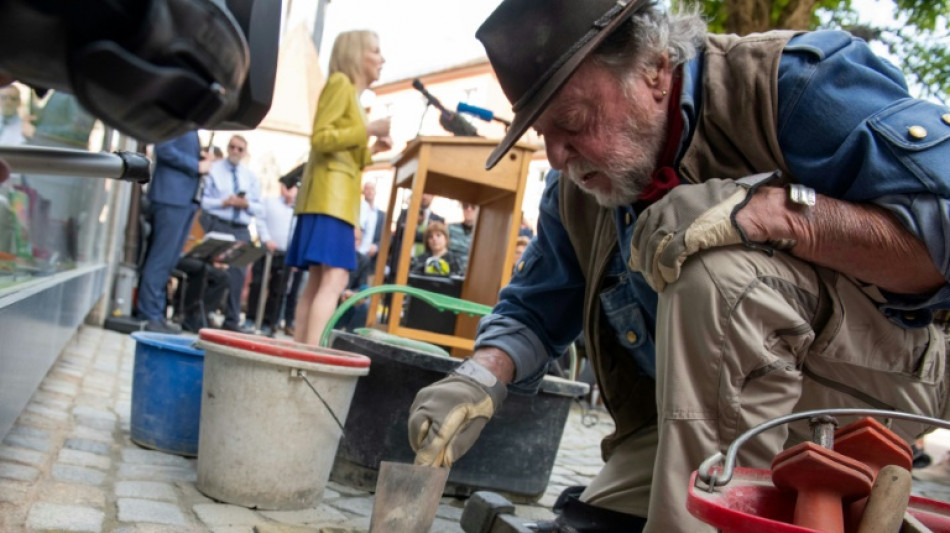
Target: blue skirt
<point>322,240</point>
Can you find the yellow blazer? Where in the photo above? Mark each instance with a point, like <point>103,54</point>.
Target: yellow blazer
<point>338,153</point>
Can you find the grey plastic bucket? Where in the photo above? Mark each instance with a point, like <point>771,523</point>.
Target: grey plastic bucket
<point>267,440</point>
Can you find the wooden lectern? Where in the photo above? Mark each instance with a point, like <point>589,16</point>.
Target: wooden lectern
<point>454,167</point>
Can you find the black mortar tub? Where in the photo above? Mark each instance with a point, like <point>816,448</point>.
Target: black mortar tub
<point>514,454</point>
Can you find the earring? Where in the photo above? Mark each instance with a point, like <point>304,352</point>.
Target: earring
<point>664,92</point>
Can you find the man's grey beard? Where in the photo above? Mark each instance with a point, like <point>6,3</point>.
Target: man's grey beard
<point>626,185</point>
<point>630,164</point>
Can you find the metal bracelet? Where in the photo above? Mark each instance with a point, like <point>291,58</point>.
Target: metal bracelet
<point>802,195</point>
<point>476,372</point>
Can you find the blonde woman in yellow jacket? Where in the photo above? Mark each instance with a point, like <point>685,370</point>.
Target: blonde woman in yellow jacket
<point>328,202</point>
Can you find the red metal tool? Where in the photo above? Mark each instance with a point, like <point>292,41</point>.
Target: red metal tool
<point>746,500</point>
<point>822,479</point>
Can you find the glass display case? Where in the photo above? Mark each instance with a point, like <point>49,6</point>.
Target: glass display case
<point>49,223</point>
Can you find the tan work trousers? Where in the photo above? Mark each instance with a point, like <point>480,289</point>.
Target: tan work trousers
<point>744,338</point>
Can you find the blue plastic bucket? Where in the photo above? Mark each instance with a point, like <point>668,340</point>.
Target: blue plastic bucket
<point>166,393</point>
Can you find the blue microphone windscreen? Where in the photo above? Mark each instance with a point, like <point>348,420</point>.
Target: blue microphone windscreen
<point>479,112</point>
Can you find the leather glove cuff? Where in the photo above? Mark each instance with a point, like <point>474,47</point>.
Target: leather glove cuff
<point>473,372</point>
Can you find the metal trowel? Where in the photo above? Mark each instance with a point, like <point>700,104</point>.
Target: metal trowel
<point>407,497</point>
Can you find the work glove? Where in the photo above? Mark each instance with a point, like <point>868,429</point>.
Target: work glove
<point>691,218</point>
<point>446,417</point>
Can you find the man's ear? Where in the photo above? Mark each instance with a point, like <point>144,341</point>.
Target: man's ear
<point>660,76</point>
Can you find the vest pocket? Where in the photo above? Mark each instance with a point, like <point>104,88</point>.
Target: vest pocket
<point>625,315</point>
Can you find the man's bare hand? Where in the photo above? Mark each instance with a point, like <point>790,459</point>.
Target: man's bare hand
<point>271,246</point>
<point>864,241</point>
<point>764,218</point>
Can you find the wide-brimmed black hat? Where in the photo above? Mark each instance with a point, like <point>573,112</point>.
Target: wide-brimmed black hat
<point>535,45</point>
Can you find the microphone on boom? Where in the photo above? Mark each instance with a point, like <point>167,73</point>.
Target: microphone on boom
<point>450,120</point>
<point>433,101</point>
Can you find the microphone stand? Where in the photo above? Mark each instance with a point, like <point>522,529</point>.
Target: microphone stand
<point>423,119</point>
<point>451,121</point>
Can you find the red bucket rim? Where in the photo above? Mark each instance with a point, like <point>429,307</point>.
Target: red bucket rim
<point>282,348</point>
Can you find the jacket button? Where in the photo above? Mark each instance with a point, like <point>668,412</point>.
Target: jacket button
<point>631,337</point>
<point>917,132</point>
<point>628,218</point>
<point>946,118</point>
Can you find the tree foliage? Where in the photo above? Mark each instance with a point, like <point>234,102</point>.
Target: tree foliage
<point>916,35</point>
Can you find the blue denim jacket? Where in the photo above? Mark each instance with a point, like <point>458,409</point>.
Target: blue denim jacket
<point>847,140</point>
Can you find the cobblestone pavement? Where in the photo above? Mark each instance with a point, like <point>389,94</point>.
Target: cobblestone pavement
<point>68,464</point>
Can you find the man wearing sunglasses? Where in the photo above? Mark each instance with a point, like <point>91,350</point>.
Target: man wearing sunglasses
<point>232,196</point>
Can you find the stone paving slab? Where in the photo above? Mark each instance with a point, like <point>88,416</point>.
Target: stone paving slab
<point>68,464</point>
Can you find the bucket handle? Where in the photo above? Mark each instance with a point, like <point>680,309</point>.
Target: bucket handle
<point>712,480</point>
<point>300,373</point>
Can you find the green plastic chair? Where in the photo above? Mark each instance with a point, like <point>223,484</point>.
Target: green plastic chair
<point>439,301</point>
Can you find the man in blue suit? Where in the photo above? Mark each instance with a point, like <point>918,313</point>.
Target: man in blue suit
<point>172,197</point>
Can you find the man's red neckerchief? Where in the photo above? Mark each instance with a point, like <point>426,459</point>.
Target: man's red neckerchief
<point>664,177</point>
